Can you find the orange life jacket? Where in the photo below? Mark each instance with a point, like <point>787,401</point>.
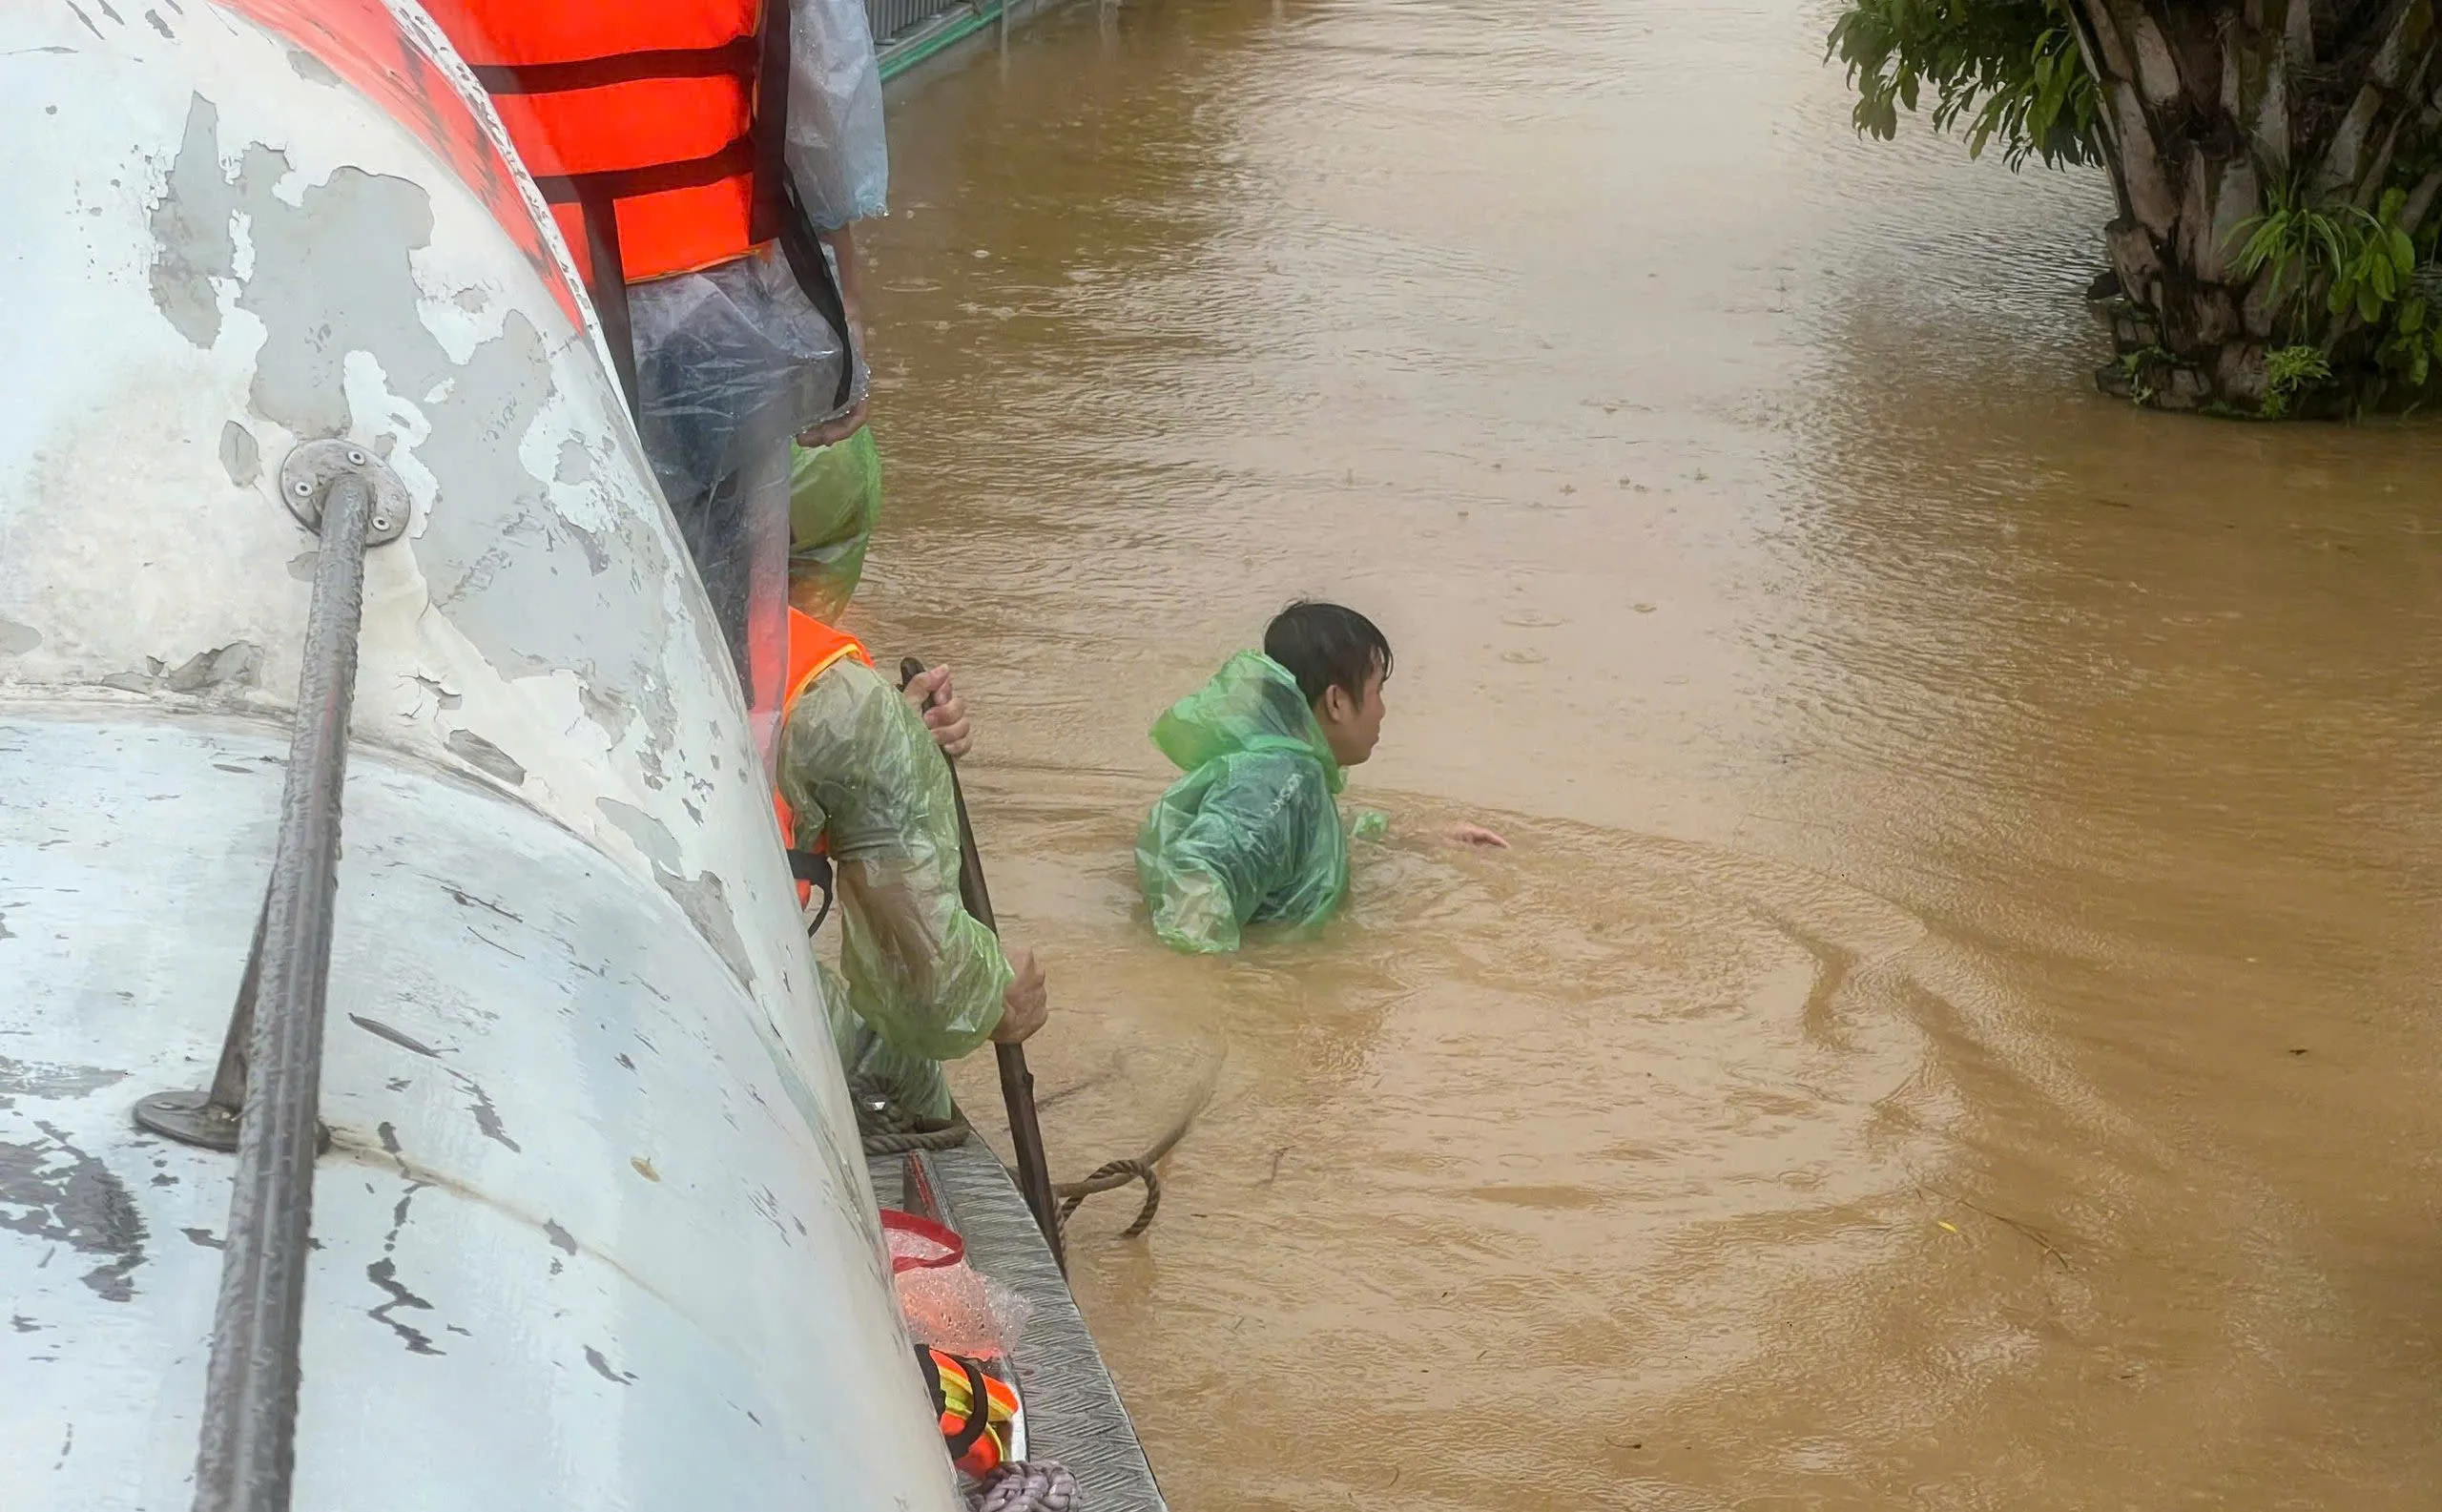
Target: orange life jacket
<point>976,1408</point>
<point>656,129</point>
<point>814,647</point>
<point>648,106</point>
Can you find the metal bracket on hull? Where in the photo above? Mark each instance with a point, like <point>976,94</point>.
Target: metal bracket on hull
<point>209,1119</point>
<point>305,482</point>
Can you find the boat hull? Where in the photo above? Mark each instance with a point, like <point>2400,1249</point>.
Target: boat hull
<point>592,1231</point>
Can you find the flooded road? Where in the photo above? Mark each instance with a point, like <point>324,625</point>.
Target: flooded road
<point>1957,1029</point>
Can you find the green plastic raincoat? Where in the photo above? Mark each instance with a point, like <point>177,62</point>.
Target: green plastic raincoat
<point>1252,833</point>
<point>835,497</point>
<point>924,978</point>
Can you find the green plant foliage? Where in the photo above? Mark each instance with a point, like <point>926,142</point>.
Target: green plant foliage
<point>2381,266</point>
<point>2367,262</point>
<point>2412,345</point>
<point>2000,70</point>
<point>2296,243</point>
<point>2289,371</point>
<point>2138,366</point>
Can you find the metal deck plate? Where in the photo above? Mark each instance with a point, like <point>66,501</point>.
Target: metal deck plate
<point>1073,1411</point>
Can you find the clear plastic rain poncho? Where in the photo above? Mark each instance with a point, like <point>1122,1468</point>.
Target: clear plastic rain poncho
<point>735,360</point>
<point>1252,833</point>
<point>924,977</point>
<point>837,160</point>
<point>731,363</point>
<point>731,357</point>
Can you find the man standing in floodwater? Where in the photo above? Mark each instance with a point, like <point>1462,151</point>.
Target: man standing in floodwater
<point>1251,834</point>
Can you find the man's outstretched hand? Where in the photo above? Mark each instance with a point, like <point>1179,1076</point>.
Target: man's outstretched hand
<point>1475,837</point>
<point>1026,1005</point>
<point>946,718</point>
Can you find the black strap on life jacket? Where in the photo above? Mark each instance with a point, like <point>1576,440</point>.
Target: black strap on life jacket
<point>737,58</point>
<point>778,214</point>
<point>814,869</point>
<point>610,294</point>
<point>629,183</point>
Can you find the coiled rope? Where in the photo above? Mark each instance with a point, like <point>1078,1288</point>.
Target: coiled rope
<point>1110,1177</point>
<point>886,1129</point>
<point>1025,1486</point>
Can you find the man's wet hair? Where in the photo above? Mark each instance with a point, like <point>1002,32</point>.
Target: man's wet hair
<point>1326,646</point>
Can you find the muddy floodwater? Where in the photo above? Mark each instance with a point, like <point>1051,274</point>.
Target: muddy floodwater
<point>1958,1026</point>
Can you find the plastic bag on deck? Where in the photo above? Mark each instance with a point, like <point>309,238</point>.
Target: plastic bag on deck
<point>958,1309</point>
<point>1252,833</point>
<point>835,497</point>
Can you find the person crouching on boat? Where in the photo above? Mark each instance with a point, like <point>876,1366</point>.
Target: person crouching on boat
<point>865,800</point>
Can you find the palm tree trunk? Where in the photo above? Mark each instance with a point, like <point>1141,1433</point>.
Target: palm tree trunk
<point>2209,110</point>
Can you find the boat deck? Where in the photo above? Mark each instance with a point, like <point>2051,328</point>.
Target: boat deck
<point>1073,1411</point>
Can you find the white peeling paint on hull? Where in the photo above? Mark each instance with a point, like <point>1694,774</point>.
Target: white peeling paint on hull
<point>594,1231</point>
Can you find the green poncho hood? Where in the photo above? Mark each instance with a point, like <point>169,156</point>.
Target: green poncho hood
<point>1251,704</point>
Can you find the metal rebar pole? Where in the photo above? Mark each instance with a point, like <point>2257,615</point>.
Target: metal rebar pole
<point>250,1388</point>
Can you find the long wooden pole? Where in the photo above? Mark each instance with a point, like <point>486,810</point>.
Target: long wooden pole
<point>1017,1082</point>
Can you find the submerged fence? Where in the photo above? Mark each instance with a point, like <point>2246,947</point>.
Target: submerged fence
<point>891,19</point>
<point>908,32</point>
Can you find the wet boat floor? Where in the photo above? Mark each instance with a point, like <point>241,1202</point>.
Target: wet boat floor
<point>1073,1411</point>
